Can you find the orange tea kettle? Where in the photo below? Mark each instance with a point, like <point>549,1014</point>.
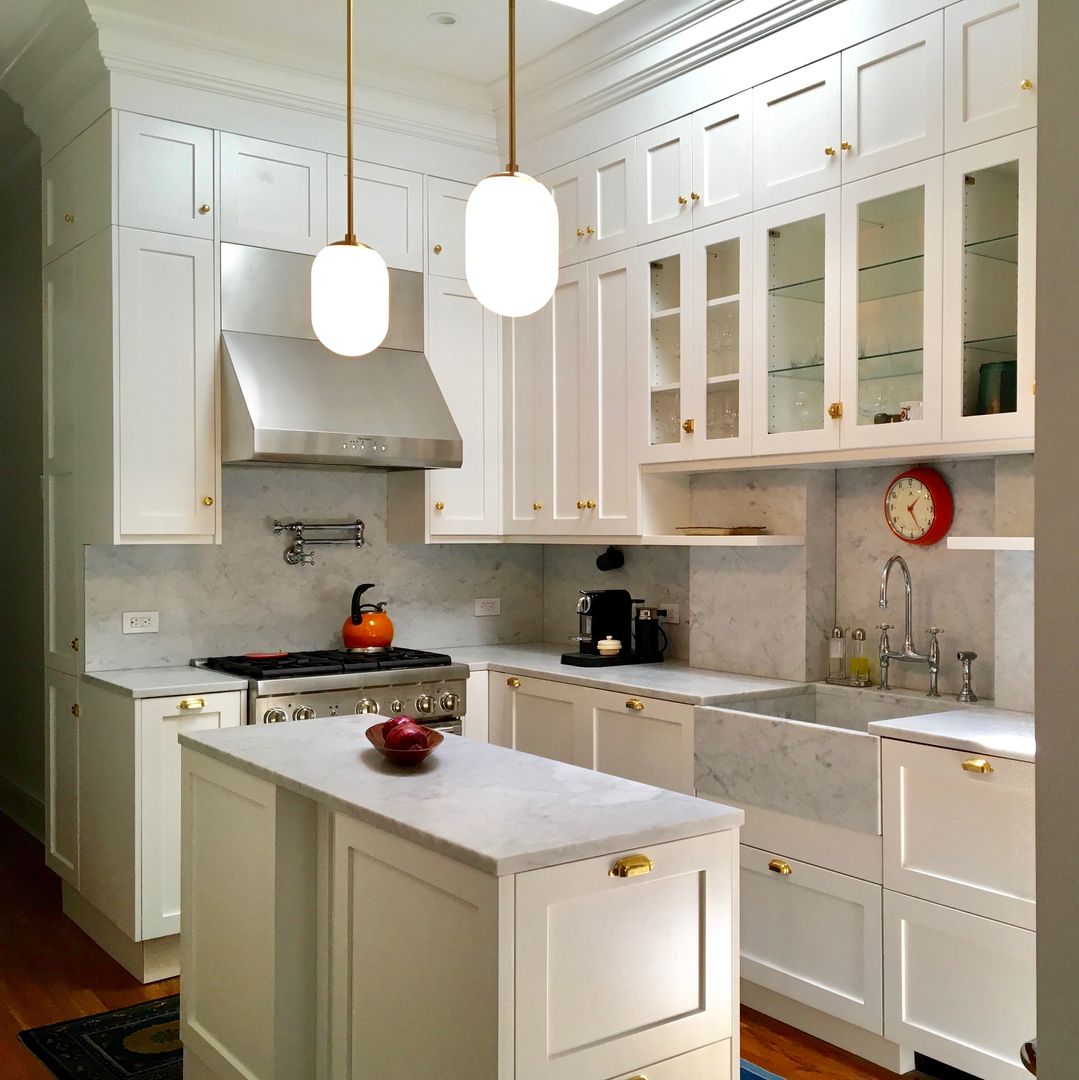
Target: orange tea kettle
<point>368,627</point>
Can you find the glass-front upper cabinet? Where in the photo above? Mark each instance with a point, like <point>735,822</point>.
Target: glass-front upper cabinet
<point>890,369</point>
<point>989,305</point>
<point>796,370</point>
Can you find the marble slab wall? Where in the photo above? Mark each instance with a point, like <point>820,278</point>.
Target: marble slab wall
<point>241,594</point>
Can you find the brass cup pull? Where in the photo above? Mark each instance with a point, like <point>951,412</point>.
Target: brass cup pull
<point>73,644</point>
<point>977,765</point>
<point>537,506</point>
<point>589,230</point>
<point>1026,84</point>
<point>69,218</point>
<point>835,410</point>
<point>191,704</point>
<point>689,426</point>
<point>632,866</point>
<point>440,506</point>
<point>207,500</point>
<point>830,151</point>
<point>75,710</point>
<point>635,704</point>
<point>437,249</point>
<point>682,200</point>
<point>513,684</point>
<point>205,208</point>
<point>778,866</point>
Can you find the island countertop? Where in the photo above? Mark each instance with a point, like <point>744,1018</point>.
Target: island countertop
<point>496,809</point>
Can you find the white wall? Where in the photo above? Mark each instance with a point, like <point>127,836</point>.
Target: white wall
<point>21,573</point>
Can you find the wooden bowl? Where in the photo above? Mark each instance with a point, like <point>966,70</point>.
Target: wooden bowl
<point>413,755</point>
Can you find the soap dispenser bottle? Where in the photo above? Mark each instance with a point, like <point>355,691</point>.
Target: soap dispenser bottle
<point>859,659</point>
<point>837,655</point>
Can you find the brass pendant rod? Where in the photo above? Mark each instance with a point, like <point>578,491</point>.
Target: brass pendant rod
<point>350,234</point>
<point>511,167</point>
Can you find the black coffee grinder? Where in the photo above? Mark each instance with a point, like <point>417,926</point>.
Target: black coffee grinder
<point>603,614</point>
<point>649,638</point>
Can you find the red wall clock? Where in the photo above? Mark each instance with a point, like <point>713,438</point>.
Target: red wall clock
<point>918,506</point>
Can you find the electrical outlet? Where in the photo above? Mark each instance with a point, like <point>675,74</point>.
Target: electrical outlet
<point>140,622</point>
<point>490,606</point>
<point>672,613</point>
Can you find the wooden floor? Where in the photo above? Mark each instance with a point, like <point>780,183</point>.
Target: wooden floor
<point>50,971</point>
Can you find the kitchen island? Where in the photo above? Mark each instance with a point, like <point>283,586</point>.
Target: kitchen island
<point>489,914</point>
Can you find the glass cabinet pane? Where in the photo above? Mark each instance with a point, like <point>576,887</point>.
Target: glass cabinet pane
<point>723,299</point>
<point>891,294</point>
<point>990,289</point>
<point>795,327</point>
<point>665,345</point>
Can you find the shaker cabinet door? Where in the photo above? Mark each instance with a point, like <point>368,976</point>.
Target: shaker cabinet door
<point>62,775</point>
<point>545,719</point>
<point>446,203</point>
<point>388,210</point>
<point>611,202</point>
<point>76,190</point>
<point>664,177</point>
<point>643,739</point>
<point>569,189</point>
<point>723,160</point>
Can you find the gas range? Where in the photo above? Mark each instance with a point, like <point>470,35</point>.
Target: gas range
<point>339,682</point>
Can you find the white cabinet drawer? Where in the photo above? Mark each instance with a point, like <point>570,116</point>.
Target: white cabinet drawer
<point>958,837</point>
<point>958,987</point>
<point>615,971</point>
<point>709,1063</point>
<point>812,935</point>
<point>545,718</point>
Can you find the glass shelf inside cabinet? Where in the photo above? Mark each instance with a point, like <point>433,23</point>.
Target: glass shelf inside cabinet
<point>990,289</point>
<point>795,327</point>
<point>891,292</point>
<point>665,351</point>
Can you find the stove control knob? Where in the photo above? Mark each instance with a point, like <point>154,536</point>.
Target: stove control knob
<point>274,716</point>
<point>449,702</point>
<point>366,705</point>
<point>304,712</point>
<point>425,703</point>
<point>397,706</point>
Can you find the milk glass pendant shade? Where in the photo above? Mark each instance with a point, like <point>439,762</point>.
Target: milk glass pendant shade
<point>350,298</point>
<point>511,244</point>
<point>511,227</point>
<point>350,285</point>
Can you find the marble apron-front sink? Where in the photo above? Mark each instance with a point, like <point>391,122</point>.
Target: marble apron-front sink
<point>804,751</point>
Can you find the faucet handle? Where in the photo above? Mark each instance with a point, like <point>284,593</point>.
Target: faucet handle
<point>966,657</point>
<point>885,626</point>
<point>935,631</point>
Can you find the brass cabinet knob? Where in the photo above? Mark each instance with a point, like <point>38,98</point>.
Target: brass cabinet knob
<point>835,410</point>
<point>69,218</point>
<point>778,866</point>
<point>75,710</point>
<point>682,200</point>
<point>588,229</point>
<point>1026,84</point>
<point>437,249</point>
<point>830,151</point>
<point>191,704</point>
<point>695,196</point>
<point>73,644</point>
<point>537,506</point>
<point>845,145</point>
<point>591,504</point>
<point>689,426</point>
<point>581,504</point>
<point>635,704</point>
<point>207,500</point>
<point>632,866</point>
<point>977,765</point>
<point>205,208</point>
<point>514,684</point>
<point>440,506</point>
<point>580,233</point>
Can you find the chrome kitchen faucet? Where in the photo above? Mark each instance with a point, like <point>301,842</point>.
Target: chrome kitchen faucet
<point>909,653</point>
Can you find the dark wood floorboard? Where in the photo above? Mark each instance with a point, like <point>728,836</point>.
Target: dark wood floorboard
<point>50,971</point>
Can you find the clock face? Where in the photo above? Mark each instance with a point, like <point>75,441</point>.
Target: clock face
<point>918,506</point>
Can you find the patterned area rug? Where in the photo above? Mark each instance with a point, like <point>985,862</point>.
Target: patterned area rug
<point>142,1042</point>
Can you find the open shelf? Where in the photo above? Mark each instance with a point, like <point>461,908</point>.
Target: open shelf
<point>723,541</point>
<point>990,543</point>
<point>1000,248</point>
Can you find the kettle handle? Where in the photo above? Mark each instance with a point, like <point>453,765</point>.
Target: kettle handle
<point>357,602</point>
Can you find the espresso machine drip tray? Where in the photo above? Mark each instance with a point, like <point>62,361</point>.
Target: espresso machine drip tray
<point>580,659</point>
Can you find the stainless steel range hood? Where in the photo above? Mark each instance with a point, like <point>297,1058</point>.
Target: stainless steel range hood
<point>288,399</point>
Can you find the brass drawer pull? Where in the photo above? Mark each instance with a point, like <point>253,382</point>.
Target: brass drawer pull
<point>635,704</point>
<point>778,866</point>
<point>977,765</point>
<point>632,866</point>
<point>190,704</point>
<point>514,684</point>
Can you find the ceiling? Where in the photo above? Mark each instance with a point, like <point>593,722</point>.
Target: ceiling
<point>17,21</point>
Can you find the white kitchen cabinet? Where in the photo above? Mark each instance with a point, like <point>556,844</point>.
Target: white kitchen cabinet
<point>568,185</point>
<point>446,204</point>
<point>664,180</point>
<point>584,936</point>
<point>812,935</point>
<point>722,151</point>
<point>958,987</point>
<point>272,195</point>
<point>958,835</point>
<point>159,721</point>
<point>388,210</point>
<point>990,70</point>
<point>537,716</point>
<point>797,131</point>
<point>643,739</point>
<point>796,314</point>
<point>893,99</point>
<point>989,265</point>
<point>62,775</point>
<point>463,349</point>
<point>892,284</point>
<point>166,452</point>
<point>77,190</point>
<point>166,175</point>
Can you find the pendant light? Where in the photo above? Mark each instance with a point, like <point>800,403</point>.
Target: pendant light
<point>511,227</point>
<point>350,285</point>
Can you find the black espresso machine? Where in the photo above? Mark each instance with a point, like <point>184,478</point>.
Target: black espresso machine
<point>607,614</point>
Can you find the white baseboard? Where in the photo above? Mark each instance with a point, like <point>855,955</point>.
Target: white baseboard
<point>23,807</point>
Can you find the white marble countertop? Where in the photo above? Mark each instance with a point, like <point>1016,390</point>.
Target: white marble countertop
<point>672,680</point>
<point>981,731</point>
<point>165,681</point>
<point>496,809</point>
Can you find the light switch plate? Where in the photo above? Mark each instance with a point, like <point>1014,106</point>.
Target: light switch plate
<point>672,616</point>
<point>141,622</point>
<point>490,606</point>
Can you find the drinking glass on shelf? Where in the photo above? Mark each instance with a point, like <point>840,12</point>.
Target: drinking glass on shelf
<point>802,410</point>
